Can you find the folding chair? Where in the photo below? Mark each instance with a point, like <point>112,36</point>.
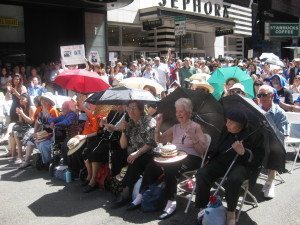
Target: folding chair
<point>293,118</point>
<point>190,175</point>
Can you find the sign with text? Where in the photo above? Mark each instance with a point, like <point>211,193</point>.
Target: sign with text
<point>149,25</point>
<point>284,29</point>
<point>94,57</point>
<point>9,22</point>
<point>180,25</point>
<point>72,54</point>
<point>222,32</point>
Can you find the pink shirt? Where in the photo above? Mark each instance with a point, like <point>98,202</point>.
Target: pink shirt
<point>182,141</point>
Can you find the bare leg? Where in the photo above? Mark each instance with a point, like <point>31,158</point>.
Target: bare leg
<point>88,166</point>
<point>12,145</point>
<point>28,150</point>
<point>9,130</point>
<point>95,168</point>
<point>271,175</point>
<point>19,146</point>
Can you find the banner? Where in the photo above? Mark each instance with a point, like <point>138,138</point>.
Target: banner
<point>72,54</point>
<point>94,57</point>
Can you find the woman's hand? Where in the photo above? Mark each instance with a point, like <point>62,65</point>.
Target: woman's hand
<point>132,157</point>
<point>238,147</point>
<point>19,111</point>
<point>13,90</point>
<point>123,125</point>
<point>159,119</point>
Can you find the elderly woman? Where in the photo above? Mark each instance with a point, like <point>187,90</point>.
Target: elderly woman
<point>67,121</point>
<point>186,136</point>
<point>235,139</point>
<point>138,137</point>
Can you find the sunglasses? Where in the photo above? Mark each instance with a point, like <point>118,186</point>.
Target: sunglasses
<point>236,92</point>
<point>262,95</point>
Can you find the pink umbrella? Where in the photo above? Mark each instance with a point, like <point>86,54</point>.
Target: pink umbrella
<point>81,81</point>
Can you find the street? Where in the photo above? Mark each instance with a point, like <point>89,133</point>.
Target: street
<point>31,197</point>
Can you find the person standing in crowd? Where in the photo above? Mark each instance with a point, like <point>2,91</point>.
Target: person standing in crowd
<point>283,93</point>
<point>203,68</point>
<point>163,72</point>
<point>150,73</point>
<point>134,71</point>
<point>295,87</point>
<point>294,71</point>
<point>186,71</point>
<point>116,75</point>
<point>14,91</point>
<point>35,89</point>
<point>266,96</point>
<point>56,88</point>
<point>138,138</point>
<point>4,79</point>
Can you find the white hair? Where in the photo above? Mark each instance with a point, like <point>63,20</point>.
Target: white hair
<point>186,103</point>
<point>268,88</point>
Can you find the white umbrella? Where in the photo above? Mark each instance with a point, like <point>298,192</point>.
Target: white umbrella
<point>266,55</point>
<point>140,83</point>
<point>275,62</point>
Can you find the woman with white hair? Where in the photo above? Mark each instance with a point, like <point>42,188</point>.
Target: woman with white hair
<point>186,136</point>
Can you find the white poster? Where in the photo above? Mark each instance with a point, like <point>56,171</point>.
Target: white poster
<point>94,57</point>
<point>250,53</point>
<point>72,54</point>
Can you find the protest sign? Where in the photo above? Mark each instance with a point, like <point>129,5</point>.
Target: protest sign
<point>94,57</point>
<point>72,54</point>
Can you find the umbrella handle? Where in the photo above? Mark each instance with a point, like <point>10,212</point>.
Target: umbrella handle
<point>225,175</point>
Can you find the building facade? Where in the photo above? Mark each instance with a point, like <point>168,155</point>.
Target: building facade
<point>32,31</point>
<point>150,27</point>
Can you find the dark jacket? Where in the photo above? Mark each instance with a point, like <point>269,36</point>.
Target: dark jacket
<point>252,141</point>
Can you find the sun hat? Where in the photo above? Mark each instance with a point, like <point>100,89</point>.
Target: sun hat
<point>74,144</point>
<point>238,86</point>
<point>48,96</point>
<point>202,83</point>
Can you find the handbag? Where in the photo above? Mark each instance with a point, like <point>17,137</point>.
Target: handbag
<point>42,135</point>
<point>102,174</point>
<point>153,198</point>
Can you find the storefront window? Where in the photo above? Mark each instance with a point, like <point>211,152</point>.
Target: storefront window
<point>113,36</point>
<point>133,36</point>
<point>191,41</point>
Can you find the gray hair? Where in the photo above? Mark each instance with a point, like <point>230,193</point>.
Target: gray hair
<point>268,88</point>
<point>186,103</point>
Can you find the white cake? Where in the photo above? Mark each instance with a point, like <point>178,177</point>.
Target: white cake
<point>168,151</point>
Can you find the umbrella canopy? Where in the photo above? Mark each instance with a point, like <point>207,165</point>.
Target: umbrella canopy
<point>267,55</point>
<point>219,77</point>
<point>207,111</point>
<point>81,81</point>
<point>140,83</point>
<point>257,117</point>
<point>120,95</point>
<point>200,76</point>
<point>275,62</point>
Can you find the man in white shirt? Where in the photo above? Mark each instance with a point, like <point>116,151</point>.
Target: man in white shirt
<point>163,72</point>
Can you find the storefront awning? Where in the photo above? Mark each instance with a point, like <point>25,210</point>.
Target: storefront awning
<point>205,20</point>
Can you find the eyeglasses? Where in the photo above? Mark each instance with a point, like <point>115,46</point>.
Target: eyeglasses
<point>262,95</point>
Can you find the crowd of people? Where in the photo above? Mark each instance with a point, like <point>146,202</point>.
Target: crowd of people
<point>126,135</point>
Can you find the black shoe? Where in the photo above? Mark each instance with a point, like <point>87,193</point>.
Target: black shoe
<point>89,188</point>
<point>166,215</point>
<point>84,183</point>
<point>132,207</point>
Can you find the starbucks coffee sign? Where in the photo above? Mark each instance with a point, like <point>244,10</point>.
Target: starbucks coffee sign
<point>284,29</point>
<point>197,6</point>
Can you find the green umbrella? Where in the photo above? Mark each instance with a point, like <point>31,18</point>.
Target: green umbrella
<point>219,77</point>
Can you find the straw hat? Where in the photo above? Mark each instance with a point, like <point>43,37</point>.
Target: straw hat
<point>74,144</point>
<point>48,96</point>
<point>197,83</point>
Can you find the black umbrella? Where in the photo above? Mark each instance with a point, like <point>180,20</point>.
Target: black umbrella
<point>207,111</point>
<point>121,95</point>
<point>258,118</point>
